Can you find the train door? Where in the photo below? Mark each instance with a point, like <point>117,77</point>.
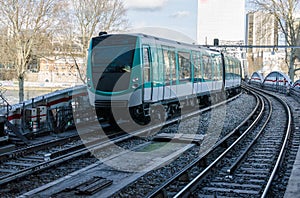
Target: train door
<point>214,72</point>
<point>207,74</point>
<point>217,62</point>
<point>147,85</point>
<point>156,74</point>
<point>196,72</point>
<point>167,62</point>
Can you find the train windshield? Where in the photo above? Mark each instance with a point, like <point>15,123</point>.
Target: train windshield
<point>112,60</point>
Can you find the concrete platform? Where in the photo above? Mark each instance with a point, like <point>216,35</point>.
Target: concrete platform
<point>293,187</point>
<point>115,171</point>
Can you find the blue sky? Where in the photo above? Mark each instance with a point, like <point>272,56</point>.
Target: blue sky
<point>177,15</point>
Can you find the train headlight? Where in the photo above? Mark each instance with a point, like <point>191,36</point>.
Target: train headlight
<point>134,86</point>
<point>135,79</point>
<point>89,83</point>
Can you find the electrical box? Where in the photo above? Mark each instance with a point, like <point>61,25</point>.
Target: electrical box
<point>42,112</point>
<point>31,114</point>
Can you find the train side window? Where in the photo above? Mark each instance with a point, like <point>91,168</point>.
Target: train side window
<point>184,66</point>
<point>237,70</point>
<point>201,75</point>
<point>160,60</point>
<point>227,68</point>
<point>146,61</point>
<point>197,66</point>
<point>231,69</point>
<point>173,64</point>
<point>214,68</point>
<point>217,67</point>
<point>234,68</point>
<point>170,64</point>
<point>220,62</point>
<point>154,65</point>
<point>167,65</point>
<point>207,68</point>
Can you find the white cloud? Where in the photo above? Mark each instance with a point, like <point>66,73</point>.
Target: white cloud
<point>145,4</point>
<point>180,14</point>
<point>163,32</point>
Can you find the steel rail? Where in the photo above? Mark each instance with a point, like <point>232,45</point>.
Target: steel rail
<point>191,186</point>
<point>160,190</point>
<point>38,146</point>
<point>284,145</point>
<point>91,148</point>
<point>57,160</point>
<point>242,156</point>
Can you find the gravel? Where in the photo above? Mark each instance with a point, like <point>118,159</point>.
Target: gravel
<point>213,124</point>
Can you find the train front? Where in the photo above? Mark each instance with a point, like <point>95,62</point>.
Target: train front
<point>113,72</point>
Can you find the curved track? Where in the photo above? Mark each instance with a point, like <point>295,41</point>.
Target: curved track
<point>244,163</point>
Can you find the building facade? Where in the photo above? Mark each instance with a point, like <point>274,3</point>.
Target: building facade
<point>59,70</point>
<point>262,30</point>
<point>61,67</point>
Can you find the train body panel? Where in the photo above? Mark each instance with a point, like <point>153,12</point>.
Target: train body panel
<point>183,90</point>
<point>232,75</point>
<point>137,71</point>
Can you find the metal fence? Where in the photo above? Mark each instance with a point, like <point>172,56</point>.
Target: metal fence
<point>53,112</point>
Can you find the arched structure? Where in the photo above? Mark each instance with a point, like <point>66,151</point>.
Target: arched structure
<point>277,81</point>
<point>256,78</point>
<point>296,84</point>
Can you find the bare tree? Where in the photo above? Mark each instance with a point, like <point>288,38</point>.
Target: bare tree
<point>26,21</point>
<point>5,54</point>
<point>86,18</point>
<point>285,13</point>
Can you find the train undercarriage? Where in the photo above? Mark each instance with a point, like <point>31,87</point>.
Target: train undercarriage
<point>154,113</point>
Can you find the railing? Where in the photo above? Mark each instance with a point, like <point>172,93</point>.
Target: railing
<point>50,112</point>
<point>4,105</point>
<point>295,93</point>
<point>288,90</point>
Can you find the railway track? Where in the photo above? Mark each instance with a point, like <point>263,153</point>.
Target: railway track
<point>26,161</point>
<point>38,147</point>
<point>243,163</point>
<point>94,148</point>
<point>235,167</point>
<point>68,160</point>
<point>279,185</point>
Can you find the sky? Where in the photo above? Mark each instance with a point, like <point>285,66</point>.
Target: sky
<point>221,19</point>
<point>176,15</point>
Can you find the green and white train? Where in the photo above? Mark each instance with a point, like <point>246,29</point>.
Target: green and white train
<point>152,77</point>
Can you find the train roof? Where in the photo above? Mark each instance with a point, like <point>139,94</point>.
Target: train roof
<point>162,40</point>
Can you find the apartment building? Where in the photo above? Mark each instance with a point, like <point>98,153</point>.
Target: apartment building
<point>262,30</point>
